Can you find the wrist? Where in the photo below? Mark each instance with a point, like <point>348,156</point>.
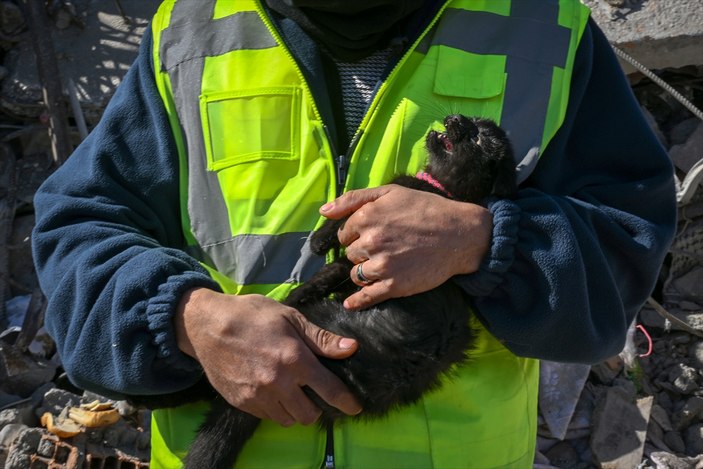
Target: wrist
<point>475,236</point>
<point>188,313</point>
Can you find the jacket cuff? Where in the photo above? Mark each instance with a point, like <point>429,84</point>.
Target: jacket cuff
<point>506,216</point>
<point>160,311</point>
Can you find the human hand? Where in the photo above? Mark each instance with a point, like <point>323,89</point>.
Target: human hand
<point>409,241</point>
<point>258,354</point>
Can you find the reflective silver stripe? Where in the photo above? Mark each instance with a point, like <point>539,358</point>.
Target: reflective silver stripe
<point>249,259</point>
<point>193,33</point>
<point>266,259</point>
<point>532,47</point>
<point>205,200</point>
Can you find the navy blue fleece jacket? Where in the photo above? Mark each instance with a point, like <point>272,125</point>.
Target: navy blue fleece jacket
<point>573,257</point>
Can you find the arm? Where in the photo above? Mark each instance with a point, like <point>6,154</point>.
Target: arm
<point>560,272</point>
<point>106,247</point>
<point>131,313</point>
<point>577,253</point>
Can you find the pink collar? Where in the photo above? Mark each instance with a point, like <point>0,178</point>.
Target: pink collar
<point>427,177</point>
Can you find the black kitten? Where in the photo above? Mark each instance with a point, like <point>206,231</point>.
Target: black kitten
<point>406,345</point>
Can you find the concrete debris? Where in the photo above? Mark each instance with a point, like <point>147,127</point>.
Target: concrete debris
<point>619,429</point>
<point>658,33</point>
<point>560,387</point>
<point>95,45</point>
<point>93,439</point>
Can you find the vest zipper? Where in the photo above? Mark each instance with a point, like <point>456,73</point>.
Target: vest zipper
<point>343,161</point>
<point>328,463</point>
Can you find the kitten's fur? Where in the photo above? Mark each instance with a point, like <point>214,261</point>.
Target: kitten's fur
<point>406,345</point>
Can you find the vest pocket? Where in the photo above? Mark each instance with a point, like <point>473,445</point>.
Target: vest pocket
<point>250,125</point>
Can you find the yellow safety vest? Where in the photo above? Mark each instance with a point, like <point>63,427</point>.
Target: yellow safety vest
<point>257,163</point>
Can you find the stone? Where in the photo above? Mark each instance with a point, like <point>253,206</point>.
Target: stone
<point>693,437</point>
<point>25,445</point>
<point>56,400</point>
<point>664,460</point>
<point>685,155</point>
<point>560,387</point>
<point>563,455</point>
<point>674,441</point>
<point>11,18</point>
<point>683,378</point>
<point>21,264</point>
<point>658,33</point>
<point>619,429</point>
<point>692,410</point>
<point>682,131</point>
<point>9,433</point>
<point>660,416</point>
<point>695,352</point>
<point>21,374</point>
<point>96,55</point>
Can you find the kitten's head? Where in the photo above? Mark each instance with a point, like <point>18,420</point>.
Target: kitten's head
<point>472,159</point>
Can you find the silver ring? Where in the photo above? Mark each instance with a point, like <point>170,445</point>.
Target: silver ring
<point>360,275</point>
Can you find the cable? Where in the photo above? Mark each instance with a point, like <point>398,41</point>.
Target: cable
<point>652,76</point>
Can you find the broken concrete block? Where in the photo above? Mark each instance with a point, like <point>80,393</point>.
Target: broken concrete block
<point>96,56</point>
<point>693,436</point>
<point>692,410</point>
<point>659,34</point>
<point>619,429</point>
<point>687,154</point>
<point>560,387</point>
<point>21,374</point>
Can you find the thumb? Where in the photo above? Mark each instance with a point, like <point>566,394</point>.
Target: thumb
<point>351,201</point>
<point>323,342</point>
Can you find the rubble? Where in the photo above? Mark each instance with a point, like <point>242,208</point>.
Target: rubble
<point>636,410</point>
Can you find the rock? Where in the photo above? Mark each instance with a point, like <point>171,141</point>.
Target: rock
<point>693,436</point>
<point>660,416</point>
<point>560,387</point>
<point>96,56</point>
<point>674,441</point>
<point>25,445</point>
<point>563,455</point>
<point>11,18</point>
<point>21,264</point>
<point>683,378</point>
<point>607,371</point>
<point>619,429</point>
<point>663,460</point>
<point>695,352</point>
<point>683,130</point>
<point>9,433</point>
<point>687,154</point>
<point>692,410</point>
<point>56,400</point>
<point>21,374</point>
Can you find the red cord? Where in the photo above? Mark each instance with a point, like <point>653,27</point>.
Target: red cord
<point>649,341</point>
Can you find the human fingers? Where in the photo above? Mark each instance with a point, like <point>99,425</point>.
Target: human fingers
<point>351,201</point>
<point>300,407</point>
<point>369,295</point>
<point>328,386</point>
<point>320,341</point>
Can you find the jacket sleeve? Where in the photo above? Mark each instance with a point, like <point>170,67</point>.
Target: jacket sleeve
<point>108,248</point>
<point>578,251</point>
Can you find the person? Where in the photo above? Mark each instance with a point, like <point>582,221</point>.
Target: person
<point>167,240</point>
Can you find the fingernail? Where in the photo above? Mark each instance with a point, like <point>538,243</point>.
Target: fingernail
<point>346,344</point>
<point>326,207</point>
